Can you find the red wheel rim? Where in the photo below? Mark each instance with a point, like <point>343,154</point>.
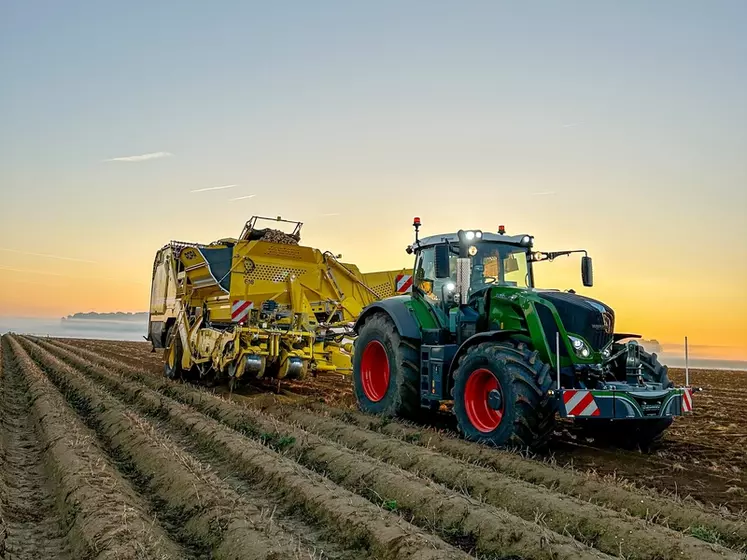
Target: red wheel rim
<point>476,391</point>
<point>374,371</point>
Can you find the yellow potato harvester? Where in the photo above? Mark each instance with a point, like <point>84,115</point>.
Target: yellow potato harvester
<point>260,305</point>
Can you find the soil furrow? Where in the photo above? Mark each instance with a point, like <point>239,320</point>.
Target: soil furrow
<point>609,531</point>
<point>680,515</point>
<point>34,529</point>
<point>3,460</point>
<point>357,521</point>
<point>223,524</point>
<point>454,516</point>
<point>100,515</point>
<point>318,540</point>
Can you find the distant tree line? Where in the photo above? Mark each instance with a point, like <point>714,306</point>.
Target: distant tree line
<point>116,316</point>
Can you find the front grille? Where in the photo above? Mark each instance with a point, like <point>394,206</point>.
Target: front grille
<point>582,316</point>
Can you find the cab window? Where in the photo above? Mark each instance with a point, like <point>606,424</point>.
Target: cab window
<point>425,273</point>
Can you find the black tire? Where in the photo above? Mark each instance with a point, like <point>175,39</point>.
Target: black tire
<point>527,414</point>
<point>173,370</point>
<point>653,370</point>
<point>378,346</point>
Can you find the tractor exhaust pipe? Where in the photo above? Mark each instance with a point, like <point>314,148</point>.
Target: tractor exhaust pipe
<point>462,278</point>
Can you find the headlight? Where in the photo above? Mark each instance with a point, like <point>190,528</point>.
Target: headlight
<point>469,235</point>
<point>580,347</point>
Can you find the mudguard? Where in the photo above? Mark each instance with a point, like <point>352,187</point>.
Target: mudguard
<point>395,307</point>
<point>481,337</point>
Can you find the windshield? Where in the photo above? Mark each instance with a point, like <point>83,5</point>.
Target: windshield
<point>499,264</point>
<point>493,264</point>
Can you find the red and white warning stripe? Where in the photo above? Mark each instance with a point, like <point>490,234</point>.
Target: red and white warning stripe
<point>687,400</point>
<point>580,403</point>
<point>240,309</point>
<point>403,283</point>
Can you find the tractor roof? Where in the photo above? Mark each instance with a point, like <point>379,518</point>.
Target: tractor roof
<point>453,238</point>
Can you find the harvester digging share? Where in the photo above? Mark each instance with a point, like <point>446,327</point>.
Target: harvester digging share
<point>476,336</point>
<point>258,306</point>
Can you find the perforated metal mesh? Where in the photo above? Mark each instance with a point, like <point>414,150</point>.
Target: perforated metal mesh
<point>273,273</point>
<point>383,290</point>
<point>285,251</point>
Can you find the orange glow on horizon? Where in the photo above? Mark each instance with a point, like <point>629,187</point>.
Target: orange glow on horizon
<point>655,307</point>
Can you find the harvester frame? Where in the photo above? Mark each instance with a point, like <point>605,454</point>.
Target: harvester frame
<point>260,305</point>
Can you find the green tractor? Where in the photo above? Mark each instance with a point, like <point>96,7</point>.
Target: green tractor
<point>470,332</point>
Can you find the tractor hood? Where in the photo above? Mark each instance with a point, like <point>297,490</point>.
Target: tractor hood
<point>584,316</point>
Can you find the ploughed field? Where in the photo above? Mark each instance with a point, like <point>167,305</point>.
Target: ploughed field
<point>102,457</point>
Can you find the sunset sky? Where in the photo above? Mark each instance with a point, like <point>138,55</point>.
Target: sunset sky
<point>620,128</point>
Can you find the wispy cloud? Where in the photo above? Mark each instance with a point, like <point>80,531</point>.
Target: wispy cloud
<point>142,157</point>
<point>215,188</point>
<point>544,193</point>
<point>57,275</point>
<point>243,197</point>
<point>572,125</point>
<point>58,257</point>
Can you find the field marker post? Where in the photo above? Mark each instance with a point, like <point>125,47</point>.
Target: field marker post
<point>687,365</point>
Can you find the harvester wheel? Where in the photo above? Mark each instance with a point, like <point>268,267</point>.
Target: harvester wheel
<point>385,370</point>
<point>500,395</point>
<point>172,367</point>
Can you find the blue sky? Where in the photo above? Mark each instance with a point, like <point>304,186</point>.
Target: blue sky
<point>602,124</point>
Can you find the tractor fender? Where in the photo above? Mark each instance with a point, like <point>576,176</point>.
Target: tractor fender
<point>397,311</point>
<point>477,339</point>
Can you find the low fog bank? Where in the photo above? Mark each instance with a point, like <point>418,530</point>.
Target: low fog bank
<point>135,330</point>
<point>702,363</point>
<point>77,328</point>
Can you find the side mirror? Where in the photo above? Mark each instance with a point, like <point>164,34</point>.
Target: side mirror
<point>442,261</point>
<point>587,273</point>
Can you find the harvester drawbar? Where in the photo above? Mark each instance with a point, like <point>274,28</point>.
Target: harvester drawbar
<point>475,335</point>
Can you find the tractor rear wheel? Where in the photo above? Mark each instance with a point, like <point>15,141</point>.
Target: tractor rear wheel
<point>500,395</point>
<point>385,370</point>
<point>172,367</point>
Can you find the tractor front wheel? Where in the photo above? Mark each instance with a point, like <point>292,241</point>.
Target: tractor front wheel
<point>635,433</point>
<point>500,395</point>
<point>385,370</point>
